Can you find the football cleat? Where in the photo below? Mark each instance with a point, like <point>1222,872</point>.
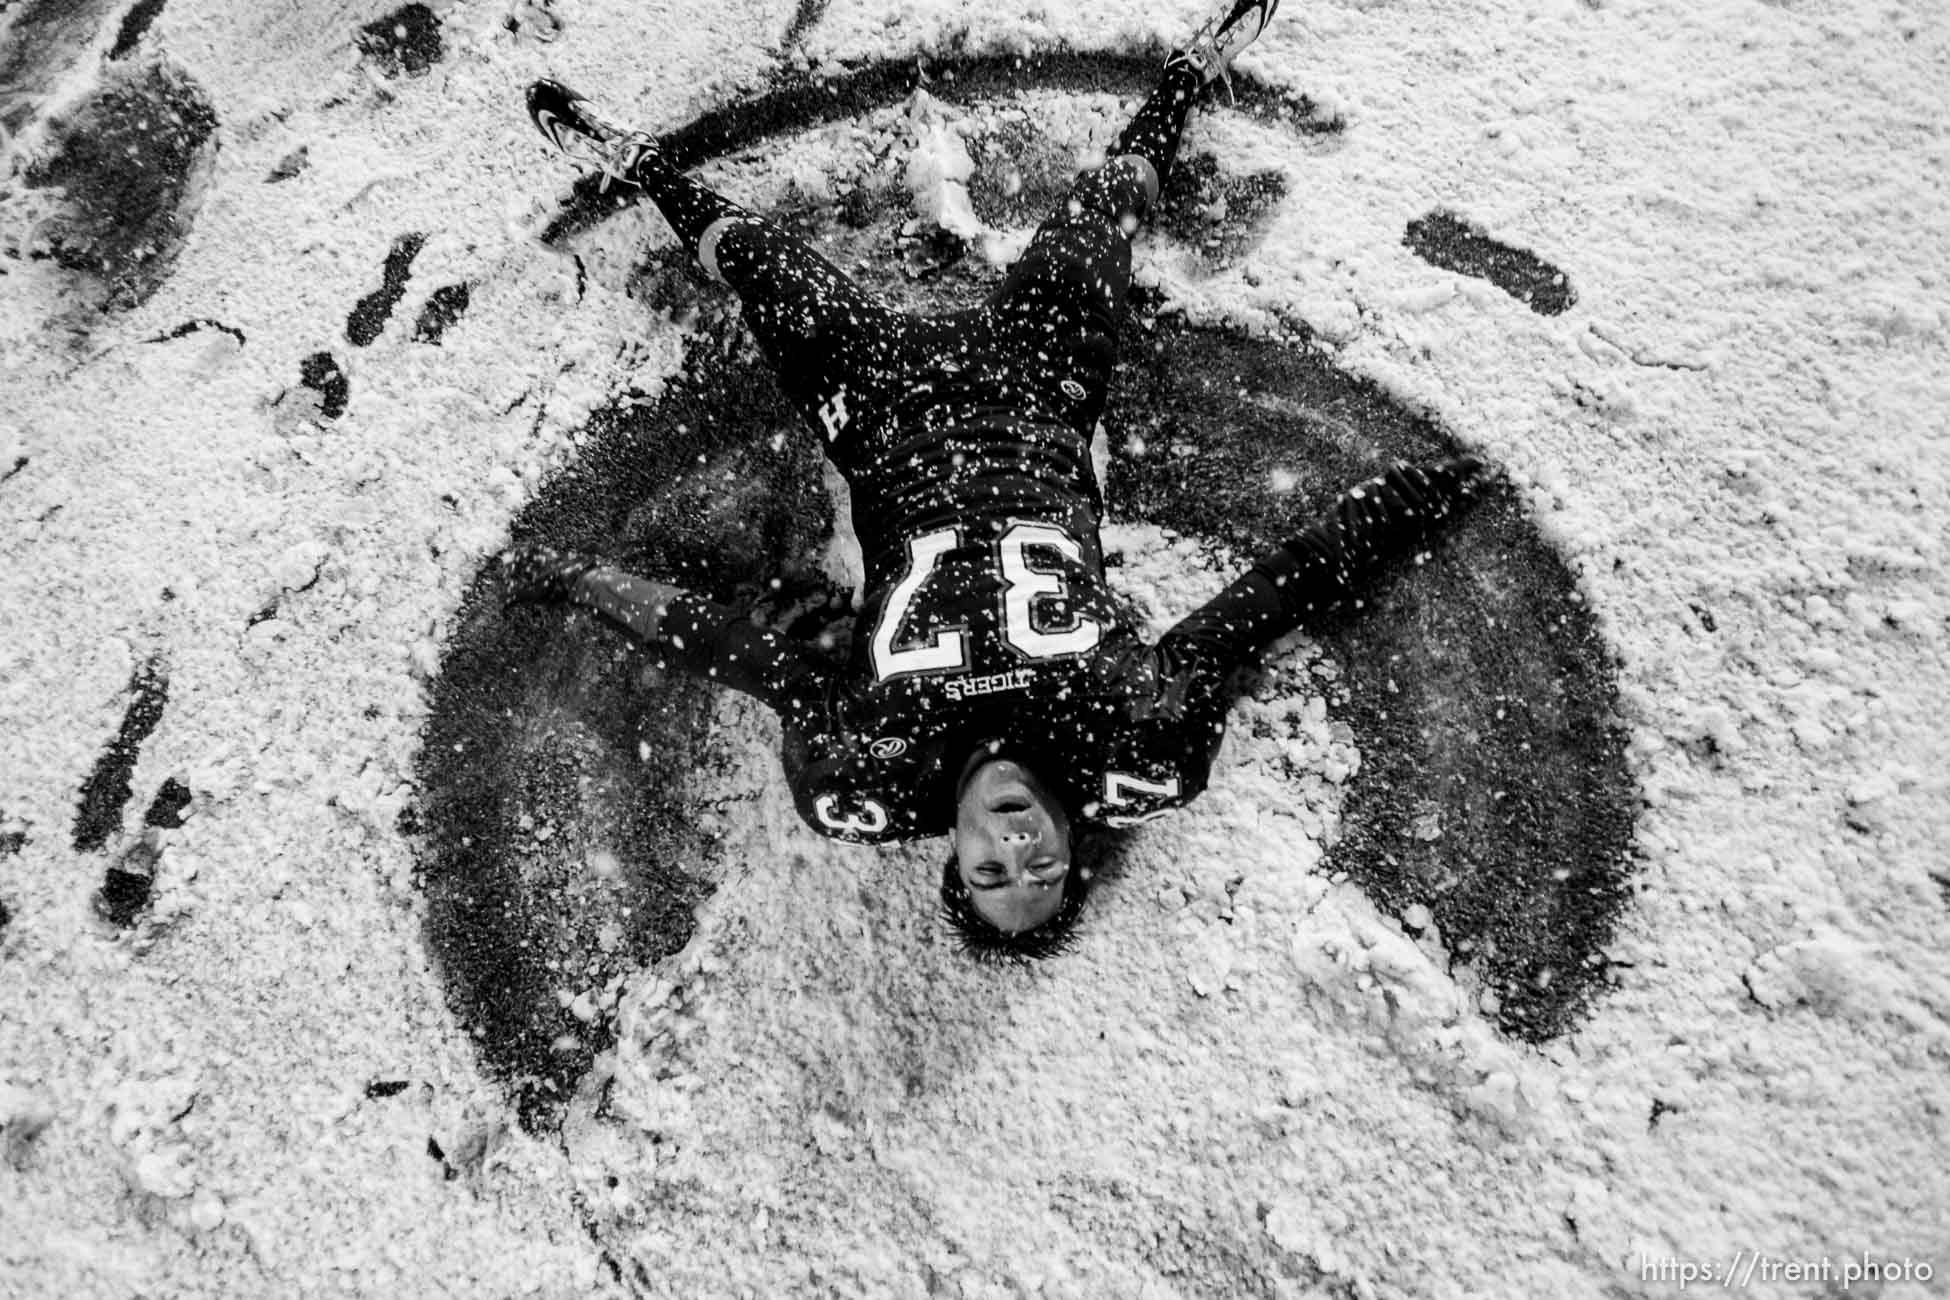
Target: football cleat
<point>565,120</point>
<point>1224,37</point>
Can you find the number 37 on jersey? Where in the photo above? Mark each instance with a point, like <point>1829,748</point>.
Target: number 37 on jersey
<point>1027,589</point>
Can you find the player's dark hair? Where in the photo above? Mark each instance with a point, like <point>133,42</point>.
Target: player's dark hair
<point>989,943</point>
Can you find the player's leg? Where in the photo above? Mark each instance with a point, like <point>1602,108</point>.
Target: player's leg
<point>1149,142</point>
<point>831,342</point>
<point>1072,283</point>
<point>1126,186</point>
<point>833,345</point>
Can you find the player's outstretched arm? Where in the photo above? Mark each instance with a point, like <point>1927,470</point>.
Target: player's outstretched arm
<point>541,575</point>
<point>685,631</point>
<point>1326,568</point>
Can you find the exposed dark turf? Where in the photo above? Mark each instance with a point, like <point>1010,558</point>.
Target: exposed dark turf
<point>799,102</point>
<point>1492,788</point>
<point>404,42</point>
<point>126,885</point>
<point>804,19</point>
<point>289,167</point>
<point>11,842</point>
<point>1197,188</point>
<point>166,810</point>
<point>140,17</point>
<point>43,42</point>
<point>1446,240</point>
<point>320,372</point>
<point>547,742</point>
<point>192,326</point>
<point>106,791</point>
<point>444,308</point>
<point>369,315</point>
<point>126,161</point>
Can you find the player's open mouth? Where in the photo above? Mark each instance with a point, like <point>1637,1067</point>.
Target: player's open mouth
<point>1014,803</point>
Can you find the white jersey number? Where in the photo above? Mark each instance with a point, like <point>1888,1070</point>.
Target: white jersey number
<point>872,818</point>
<point>946,650</point>
<point>1123,789</point>
<point>1023,586</point>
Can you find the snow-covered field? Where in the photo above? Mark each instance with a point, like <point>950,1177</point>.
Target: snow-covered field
<point>1247,1080</point>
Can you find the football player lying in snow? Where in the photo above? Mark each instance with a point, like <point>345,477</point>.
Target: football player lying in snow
<point>996,692</point>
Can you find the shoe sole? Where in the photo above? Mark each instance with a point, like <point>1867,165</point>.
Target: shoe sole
<point>564,123</point>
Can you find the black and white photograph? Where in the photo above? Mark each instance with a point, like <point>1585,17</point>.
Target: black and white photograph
<point>1086,650</point>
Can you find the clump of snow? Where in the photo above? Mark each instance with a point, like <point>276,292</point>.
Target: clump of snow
<point>938,169</point>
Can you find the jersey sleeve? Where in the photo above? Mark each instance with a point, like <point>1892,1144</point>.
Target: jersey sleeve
<point>1242,619</point>
<point>1327,567</point>
<point>710,640</point>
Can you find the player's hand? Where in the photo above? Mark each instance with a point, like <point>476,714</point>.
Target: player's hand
<point>1392,515</point>
<point>1419,497</point>
<point>541,575</point>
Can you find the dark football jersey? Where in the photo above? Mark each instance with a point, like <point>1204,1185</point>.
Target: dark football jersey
<point>987,624</point>
<point>970,442</point>
<point>1124,730</point>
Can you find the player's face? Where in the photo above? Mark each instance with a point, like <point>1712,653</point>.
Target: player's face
<point>1012,846</point>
